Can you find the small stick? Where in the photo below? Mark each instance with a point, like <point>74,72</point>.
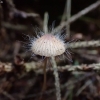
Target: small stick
<point>57,84</point>
<point>7,95</point>
<point>45,27</point>
<point>68,14</point>
<point>92,43</point>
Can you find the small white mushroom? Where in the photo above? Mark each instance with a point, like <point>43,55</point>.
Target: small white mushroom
<point>48,45</point>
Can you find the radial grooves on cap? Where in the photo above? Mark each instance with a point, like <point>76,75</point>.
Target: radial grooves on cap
<point>48,45</point>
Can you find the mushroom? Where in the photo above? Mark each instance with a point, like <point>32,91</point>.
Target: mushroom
<point>48,45</point>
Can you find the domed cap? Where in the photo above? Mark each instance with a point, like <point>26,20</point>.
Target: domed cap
<point>48,45</point>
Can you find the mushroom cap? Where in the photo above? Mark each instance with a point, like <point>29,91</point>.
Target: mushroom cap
<point>48,45</point>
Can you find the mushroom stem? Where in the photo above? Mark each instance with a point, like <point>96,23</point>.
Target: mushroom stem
<point>44,71</point>
<point>57,84</point>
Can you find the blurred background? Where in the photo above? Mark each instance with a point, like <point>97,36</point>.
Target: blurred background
<point>20,18</point>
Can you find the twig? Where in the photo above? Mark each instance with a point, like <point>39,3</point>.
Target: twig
<point>78,15</point>
<point>45,27</point>
<point>18,12</point>
<point>25,14</point>
<point>13,27</point>
<point>89,82</point>
<point>92,43</point>
<point>7,95</point>
<point>57,84</point>
<point>64,13</point>
<point>38,68</point>
<point>69,93</point>
<point>82,67</point>
<point>68,14</point>
<point>13,11</point>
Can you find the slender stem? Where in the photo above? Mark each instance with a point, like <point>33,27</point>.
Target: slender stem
<point>44,71</point>
<point>57,84</point>
<point>44,82</point>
